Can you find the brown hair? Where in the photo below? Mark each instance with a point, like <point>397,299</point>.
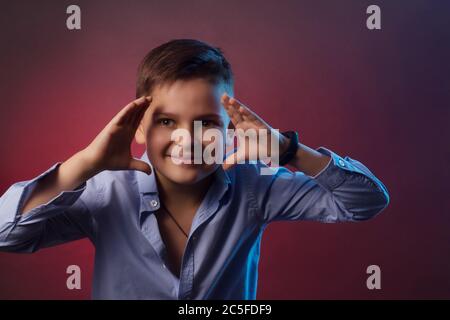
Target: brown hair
<point>182,59</point>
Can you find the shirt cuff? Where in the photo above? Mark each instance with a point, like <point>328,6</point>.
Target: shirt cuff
<point>334,174</point>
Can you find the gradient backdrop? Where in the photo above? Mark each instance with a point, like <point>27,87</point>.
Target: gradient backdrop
<point>381,97</point>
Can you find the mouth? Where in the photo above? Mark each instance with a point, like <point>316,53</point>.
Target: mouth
<point>182,160</point>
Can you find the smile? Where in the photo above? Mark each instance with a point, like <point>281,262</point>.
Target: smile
<point>183,160</point>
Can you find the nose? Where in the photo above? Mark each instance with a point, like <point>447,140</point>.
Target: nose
<point>189,139</point>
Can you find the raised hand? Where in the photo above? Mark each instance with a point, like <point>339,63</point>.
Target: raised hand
<point>243,118</point>
<point>111,149</point>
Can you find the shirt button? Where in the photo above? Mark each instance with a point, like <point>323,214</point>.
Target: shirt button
<point>341,163</point>
<point>154,203</point>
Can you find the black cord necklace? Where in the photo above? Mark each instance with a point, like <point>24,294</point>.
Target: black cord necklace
<point>174,220</point>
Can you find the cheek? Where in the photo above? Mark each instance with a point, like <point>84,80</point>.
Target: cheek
<point>158,140</point>
<point>213,142</point>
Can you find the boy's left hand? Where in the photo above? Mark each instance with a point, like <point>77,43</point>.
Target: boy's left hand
<point>244,118</point>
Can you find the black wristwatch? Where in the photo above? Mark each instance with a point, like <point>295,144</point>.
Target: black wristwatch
<point>291,151</point>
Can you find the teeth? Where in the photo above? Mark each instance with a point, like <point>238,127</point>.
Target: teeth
<point>183,159</point>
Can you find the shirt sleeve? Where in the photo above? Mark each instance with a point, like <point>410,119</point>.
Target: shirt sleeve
<point>64,218</point>
<point>345,190</point>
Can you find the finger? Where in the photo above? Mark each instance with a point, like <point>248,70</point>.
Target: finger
<point>232,114</point>
<point>234,105</point>
<point>124,116</point>
<point>250,115</point>
<point>246,113</point>
<point>139,115</point>
<point>225,98</point>
<point>233,159</point>
<point>230,161</point>
<point>140,165</point>
<point>226,103</point>
<point>231,110</point>
<point>136,112</point>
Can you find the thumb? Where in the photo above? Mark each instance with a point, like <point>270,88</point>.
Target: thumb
<point>230,161</point>
<point>140,165</point>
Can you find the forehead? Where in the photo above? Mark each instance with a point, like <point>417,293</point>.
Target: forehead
<point>188,97</point>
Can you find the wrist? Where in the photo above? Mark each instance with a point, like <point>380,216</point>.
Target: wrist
<point>77,169</point>
<point>87,163</point>
<point>309,161</point>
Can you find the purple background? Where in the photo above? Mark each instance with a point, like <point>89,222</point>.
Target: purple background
<point>381,97</point>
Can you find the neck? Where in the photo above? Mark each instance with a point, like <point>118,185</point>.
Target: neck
<point>186,195</point>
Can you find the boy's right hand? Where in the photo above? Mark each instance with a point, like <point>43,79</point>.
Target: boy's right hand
<point>111,149</point>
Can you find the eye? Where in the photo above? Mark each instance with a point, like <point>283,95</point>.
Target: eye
<point>165,122</point>
<point>207,123</point>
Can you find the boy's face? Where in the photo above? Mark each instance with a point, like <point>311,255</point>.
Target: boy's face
<point>177,106</point>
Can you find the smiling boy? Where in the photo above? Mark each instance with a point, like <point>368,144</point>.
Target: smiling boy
<point>165,230</point>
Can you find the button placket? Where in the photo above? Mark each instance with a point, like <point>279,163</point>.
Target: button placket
<point>187,274</point>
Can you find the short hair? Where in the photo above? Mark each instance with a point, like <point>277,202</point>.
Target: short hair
<point>183,59</point>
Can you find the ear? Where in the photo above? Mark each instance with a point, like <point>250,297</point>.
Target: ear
<point>140,134</point>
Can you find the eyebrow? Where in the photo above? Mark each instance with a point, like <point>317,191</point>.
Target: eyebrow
<point>173,115</point>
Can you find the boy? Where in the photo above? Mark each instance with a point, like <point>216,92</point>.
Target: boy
<point>167,229</point>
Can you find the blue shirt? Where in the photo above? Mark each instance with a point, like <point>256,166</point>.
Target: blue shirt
<point>115,210</point>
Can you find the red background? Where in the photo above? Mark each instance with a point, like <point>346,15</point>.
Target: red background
<point>381,97</point>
